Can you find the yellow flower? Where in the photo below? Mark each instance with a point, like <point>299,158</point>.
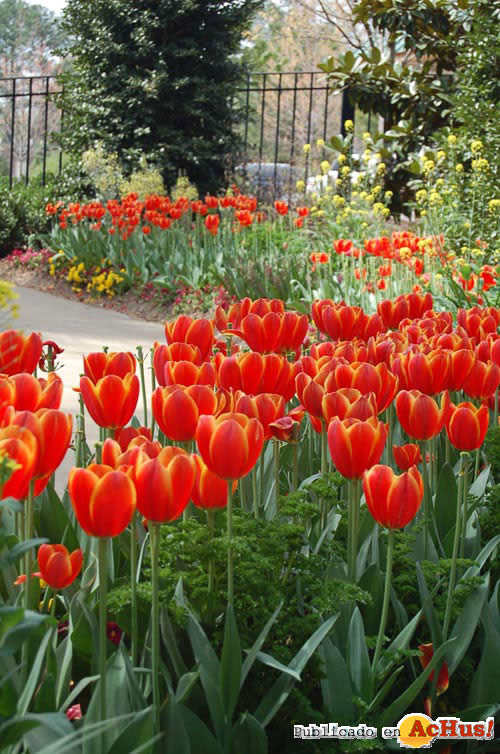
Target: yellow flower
<point>459,167</point>
<point>338,182</point>
<point>341,159</point>
<point>476,146</point>
<point>320,143</point>
<point>388,195</point>
<point>338,200</point>
<point>452,140</point>
<point>307,148</point>
<point>345,170</point>
<point>300,186</point>
<point>480,164</point>
<point>348,125</point>
<point>381,168</point>
<point>428,166</point>
<point>325,166</point>
<point>441,154</point>
<point>367,136</point>
<point>494,205</point>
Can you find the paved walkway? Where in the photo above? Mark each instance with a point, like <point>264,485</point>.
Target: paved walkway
<point>80,329</point>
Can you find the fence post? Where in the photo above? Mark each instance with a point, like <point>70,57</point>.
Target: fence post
<point>12,133</point>
<point>347,110</point>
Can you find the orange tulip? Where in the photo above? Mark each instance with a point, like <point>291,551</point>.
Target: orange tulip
<point>240,309</point>
<point>212,223</point>
<point>393,500</point>
<point>103,499</point>
<point>467,425</point>
<point>125,435</point>
<point>112,400</point>
<point>366,378</point>
<point>430,372</point>
<point>461,364</point>
<point>482,380</point>
<point>478,322</point>
<point>254,373</point>
<point>99,364</point>
<point>356,445</point>
<point>186,373</point>
<point>348,403</point>
<point>164,485</point>
<point>406,456</point>
<point>209,490</point>
<point>139,449</point>
<point>230,444</point>
<point>57,567</point>
<point>274,332</point>
<point>19,444</point>
<point>177,409</point>
<point>419,414</point>
<point>196,332</point>
<point>266,407</point>
<point>19,353</point>
<point>426,655</point>
<point>32,393</point>
<point>52,431</point>
<point>339,321</point>
<point>175,352</point>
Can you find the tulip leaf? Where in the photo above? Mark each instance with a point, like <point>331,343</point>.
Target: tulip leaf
<point>336,686</point>
<point>428,608</point>
<point>209,668</point>
<point>170,642</point>
<point>268,660</point>
<point>465,626</point>
<point>13,731</point>
<point>248,736</point>
<point>176,739</point>
<point>400,642</point>
<point>478,486</point>
<point>384,689</point>
<point>259,642</point>
<point>201,737</point>
<point>372,581</point>
<point>483,556</point>
<point>186,683</point>
<point>75,693</point>
<point>9,617</point>
<point>280,690</point>
<point>397,709</point>
<point>230,666</point>
<point>55,521</point>
<point>23,547</point>
<point>139,731</point>
<point>64,654</point>
<point>485,683</point>
<point>445,502</point>
<point>30,627</point>
<point>358,660</point>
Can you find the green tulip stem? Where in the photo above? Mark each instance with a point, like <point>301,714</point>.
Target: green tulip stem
<point>133,586</point>
<point>143,383</point>
<point>276,456</point>
<point>352,541</point>
<point>447,449</point>
<point>427,502</point>
<point>211,561</point>
<point>103,638</point>
<point>324,448</point>
<point>295,466</point>
<point>456,541</point>
<point>230,564</point>
<point>477,462</point>
<point>495,410</point>
<point>153,388</point>
<point>385,604</point>
<point>28,534</point>
<point>255,496</point>
<point>154,533</point>
<point>463,525</point>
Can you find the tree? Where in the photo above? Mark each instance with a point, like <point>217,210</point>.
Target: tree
<point>27,35</point>
<point>156,77</point>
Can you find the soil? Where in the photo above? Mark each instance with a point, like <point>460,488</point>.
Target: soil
<point>129,303</point>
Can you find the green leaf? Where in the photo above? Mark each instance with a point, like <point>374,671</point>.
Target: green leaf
<point>336,686</point>
<point>358,660</point>
<point>176,731</point>
<point>478,486</point>
<point>32,626</point>
<point>19,550</point>
<point>209,667</point>
<point>230,666</point>
<point>34,674</point>
<point>428,608</point>
<point>385,688</point>
<point>13,731</point>
<point>396,710</point>
<point>248,736</point>
<point>400,642</point>
<point>259,642</point>
<point>445,501</point>
<point>186,683</point>
<point>9,617</point>
<point>201,738</point>
<point>465,626</point>
<point>54,520</point>
<point>272,663</point>
<point>485,685</point>
<point>140,731</point>
<point>280,690</point>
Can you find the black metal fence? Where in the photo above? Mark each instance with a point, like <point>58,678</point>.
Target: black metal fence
<point>281,112</point>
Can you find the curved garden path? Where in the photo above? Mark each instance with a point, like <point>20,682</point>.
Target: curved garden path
<point>79,329</point>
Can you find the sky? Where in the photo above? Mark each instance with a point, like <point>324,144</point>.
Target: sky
<point>55,5</point>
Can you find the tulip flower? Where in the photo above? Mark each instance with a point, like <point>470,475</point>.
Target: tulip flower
<point>239,310</point>
<point>266,407</point>
<point>196,332</point>
<point>348,403</point>
<point>125,435</point>
<point>426,655</point>
<point>339,321</point>
<point>467,425</point>
<point>419,414</point>
<point>286,429</point>
<point>57,567</point>
<point>429,373</point>
<point>32,394</point>
<point>20,445</point>
<point>406,456</point>
<point>112,400</point>
<point>164,485</point>
<point>231,444</point>
<point>356,445</point>
<point>366,378</point>
<point>274,332</point>
<point>103,499</point>
<point>254,373</point>
<point>461,364</point>
<point>209,490</point>
<point>482,380</point>
<point>139,449</point>
<point>177,409</point>
<point>175,352</point>
<point>393,500</point>
<point>19,353</point>
<point>99,364</point>
<point>186,373</point>
<point>212,223</point>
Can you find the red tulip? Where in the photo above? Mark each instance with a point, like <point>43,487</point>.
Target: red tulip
<point>164,485</point>
<point>406,456</point>
<point>112,400</point>
<point>231,444</point>
<point>175,352</point>
<point>393,500</point>
<point>20,445</point>
<point>482,380</point>
<point>339,321</point>
<point>139,449</point>
<point>461,364</point>
<point>467,425</point>
<point>103,499</point>
<point>32,394</point>
<point>253,373</point>
<point>177,409</point>
<point>19,353</point>
<point>356,445</point>
<point>212,223</point>
<point>426,655</point>
<point>57,567</point>
<point>125,435</point>
<point>348,403</point>
<point>419,414</point>
<point>266,407</point>
<point>52,431</point>
<point>196,332</point>
<point>186,373</point>
<point>239,310</point>
<point>99,364</point>
<point>366,378</point>
<point>274,332</point>
<point>429,372</point>
<point>209,490</point>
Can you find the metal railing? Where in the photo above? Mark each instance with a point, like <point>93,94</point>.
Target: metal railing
<point>30,117</point>
<point>279,113</point>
